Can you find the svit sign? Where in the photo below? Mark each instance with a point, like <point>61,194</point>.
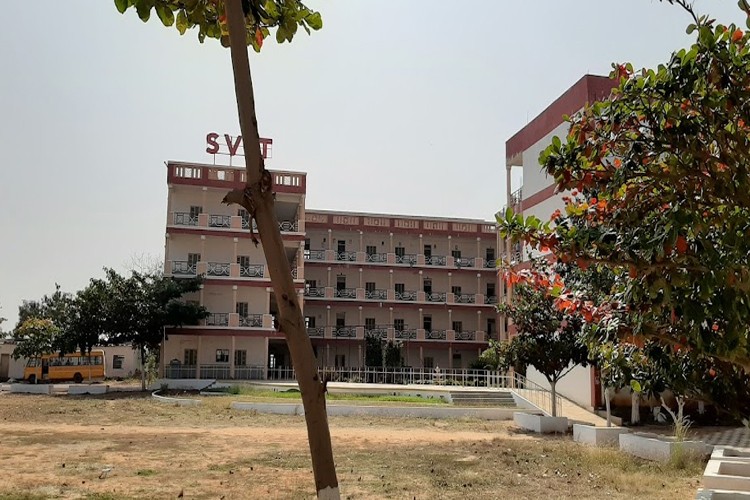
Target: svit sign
<point>234,145</point>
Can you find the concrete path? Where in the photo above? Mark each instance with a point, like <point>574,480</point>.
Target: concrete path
<point>578,415</point>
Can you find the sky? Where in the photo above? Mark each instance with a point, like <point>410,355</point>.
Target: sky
<point>393,107</point>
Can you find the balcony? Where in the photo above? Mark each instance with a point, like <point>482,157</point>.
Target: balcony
<point>345,332</point>
<point>470,336</point>
<point>217,319</point>
<point>220,221</point>
<point>464,298</point>
<point>185,219</point>
<point>406,296</point>
<point>315,292</point>
<point>435,334</point>
<point>406,334</point>
<point>435,297</point>
<point>490,299</point>
<point>409,259</point>
<point>252,271</point>
<point>378,258</point>
<point>376,294</point>
<point>490,263</point>
<point>288,226</point>
<point>345,293</point>
<point>316,332</point>
<point>315,255</point>
<point>184,268</point>
<point>435,260</point>
<point>251,321</point>
<point>218,269</point>
<point>464,261</point>
<point>377,332</point>
<point>346,256</point>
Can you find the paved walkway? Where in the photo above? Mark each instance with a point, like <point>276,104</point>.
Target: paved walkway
<point>578,415</point>
<point>736,437</point>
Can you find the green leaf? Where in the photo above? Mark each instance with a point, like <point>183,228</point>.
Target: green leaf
<point>143,9</point>
<point>635,386</point>
<point>182,22</point>
<point>271,8</point>
<point>165,14</point>
<point>122,6</point>
<point>315,21</point>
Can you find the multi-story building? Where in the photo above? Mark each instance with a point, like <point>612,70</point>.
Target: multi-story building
<point>427,282</point>
<point>537,197</point>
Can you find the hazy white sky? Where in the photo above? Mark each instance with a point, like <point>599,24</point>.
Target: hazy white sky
<point>396,107</point>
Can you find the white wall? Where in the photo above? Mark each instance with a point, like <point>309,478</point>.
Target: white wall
<point>576,385</point>
<point>534,180</point>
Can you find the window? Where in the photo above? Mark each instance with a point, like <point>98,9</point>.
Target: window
<point>370,286</point>
<point>456,254</point>
<point>195,211</point>
<point>242,309</point>
<point>117,361</point>
<point>427,285</point>
<point>490,326</point>
<point>340,320</point>
<point>307,244</point>
<point>191,356</point>
<point>309,321</point>
<point>427,323</point>
<point>428,251</point>
<point>341,245</point>
<point>457,360</point>
<point>456,290</point>
<point>243,260</point>
<point>193,259</point>
<point>369,324</point>
<point>458,326</point>
<point>400,288</point>
<point>490,290</point>
<point>490,255</point>
<point>398,325</point>
<point>340,361</point>
<point>222,355</point>
<point>371,250</point>
<point>310,284</point>
<point>340,282</point>
<point>240,358</point>
<point>400,251</point>
<point>428,362</point>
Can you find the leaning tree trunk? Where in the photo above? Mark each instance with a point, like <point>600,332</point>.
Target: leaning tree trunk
<point>257,198</point>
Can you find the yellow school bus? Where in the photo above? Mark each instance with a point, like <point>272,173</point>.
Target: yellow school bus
<point>76,367</point>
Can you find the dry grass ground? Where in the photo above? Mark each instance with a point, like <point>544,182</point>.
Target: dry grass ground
<point>57,447</point>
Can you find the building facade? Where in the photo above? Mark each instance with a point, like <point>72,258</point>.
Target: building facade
<point>536,196</point>
<point>429,283</point>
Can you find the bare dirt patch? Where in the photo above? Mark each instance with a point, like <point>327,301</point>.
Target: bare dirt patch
<point>129,446</point>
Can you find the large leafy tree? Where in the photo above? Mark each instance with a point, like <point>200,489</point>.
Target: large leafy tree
<point>35,337</point>
<point>659,192</point>
<point>237,24</point>
<point>547,337</point>
<point>58,308</point>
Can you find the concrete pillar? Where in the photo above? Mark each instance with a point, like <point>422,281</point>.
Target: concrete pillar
<point>203,200</point>
<point>390,279</point>
<point>450,283</point>
<point>330,239</point>
<point>479,283</point>
<point>361,320</point>
<point>479,247</point>
<point>449,246</point>
<point>234,259</point>
<point>361,283</point>
<point>170,193</point>
<point>450,319</point>
<point>361,242</point>
<point>231,359</point>
<point>234,298</point>
<point>203,248</point>
<point>328,282</point>
<point>450,356</point>
<point>390,236</point>
<point>479,321</point>
<point>421,244</point>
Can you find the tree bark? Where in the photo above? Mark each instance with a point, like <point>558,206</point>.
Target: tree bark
<point>257,198</point>
<point>635,407</point>
<point>608,405</point>
<point>143,369</point>
<point>553,391</point>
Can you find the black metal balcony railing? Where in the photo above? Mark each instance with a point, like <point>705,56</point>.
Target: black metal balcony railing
<point>408,258</point>
<point>315,292</point>
<point>315,255</point>
<point>464,298</point>
<point>316,332</point>
<point>376,257</point>
<point>185,219</point>
<point>252,321</point>
<point>219,221</point>
<point>466,335</point>
<point>435,260</point>
<point>217,269</point>
<point>435,297</point>
<point>435,334</point>
<point>490,263</point>
<point>376,294</point>
<point>184,268</point>
<point>345,331</point>
<point>289,226</point>
<point>345,293</point>
<point>217,319</point>
<point>347,256</point>
<point>407,296</point>
<point>406,334</point>
<point>246,224</point>
<point>294,272</point>
<point>252,271</point>
<point>378,333</point>
<point>465,261</point>
<point>490,299</point>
